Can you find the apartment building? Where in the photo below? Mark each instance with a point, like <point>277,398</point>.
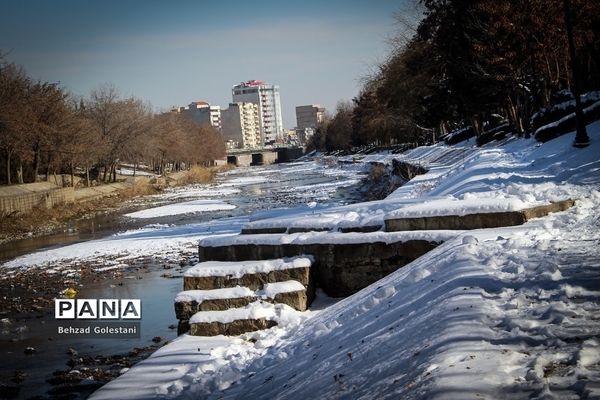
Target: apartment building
<point>240,125</point>
<point>267,98</point>
<point>202,113</point>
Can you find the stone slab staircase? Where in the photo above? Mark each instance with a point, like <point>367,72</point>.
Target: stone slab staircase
<point>231,298</point>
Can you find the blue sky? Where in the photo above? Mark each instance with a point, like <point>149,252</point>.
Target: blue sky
<point>172,53</point>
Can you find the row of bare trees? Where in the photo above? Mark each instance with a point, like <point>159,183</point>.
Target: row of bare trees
<point>468,62</point>
<point>45,130</point>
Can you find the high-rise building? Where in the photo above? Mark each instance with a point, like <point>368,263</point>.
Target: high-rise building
<point>269,107</point>
<point>202,113</point>
<point>309,116</point>
<point>240,124</point>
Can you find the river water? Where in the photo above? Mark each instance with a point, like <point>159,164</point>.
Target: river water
<point>255,191</point>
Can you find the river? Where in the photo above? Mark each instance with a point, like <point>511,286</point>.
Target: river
<point>117,243</point>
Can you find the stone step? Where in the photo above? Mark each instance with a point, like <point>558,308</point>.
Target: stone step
<point>251,274</point>
<point>291,293</point>
<point>494,219</point>
<point>255,316</point>
<point>189,302</point>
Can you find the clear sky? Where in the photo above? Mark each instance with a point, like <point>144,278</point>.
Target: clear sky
<point>174,52</point>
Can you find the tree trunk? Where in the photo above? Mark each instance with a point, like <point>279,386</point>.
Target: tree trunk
<point>72,175</point>
<point>36,164</point>
<point>87,175</point>
<point>20,173</point>
<point>8,168</point>
<point>48,168</point>
<point>134,168</point>
<point>104,173</point>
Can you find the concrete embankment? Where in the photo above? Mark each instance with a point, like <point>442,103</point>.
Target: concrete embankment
<point>22,199</point>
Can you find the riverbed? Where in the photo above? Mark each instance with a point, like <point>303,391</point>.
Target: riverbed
<point>123,256</point>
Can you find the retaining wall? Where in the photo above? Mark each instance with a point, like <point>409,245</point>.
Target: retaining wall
<point>23,198</point>
<point>339,269</point>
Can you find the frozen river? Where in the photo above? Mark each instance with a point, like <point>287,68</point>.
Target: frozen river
<point>145,251</point>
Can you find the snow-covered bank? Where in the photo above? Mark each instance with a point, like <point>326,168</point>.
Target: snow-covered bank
<point>493,313</point>
<point>187,207</point>
<point>504,313</point>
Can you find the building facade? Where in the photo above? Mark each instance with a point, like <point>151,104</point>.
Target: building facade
<point>240,125</point>
<point>267,98</point>
<point>308,119</point>
<point>202,113</point>
<point>309,116</point>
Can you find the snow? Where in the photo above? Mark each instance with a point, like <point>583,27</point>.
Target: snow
<point>188,361</point>
<point>240,268</point>
<point>255,310</point>
<point>486,313</point>
<point>452,206</point>
<point>154,241</point>
<point>270,290</point>
<point>186,207</point>
<point>588,109</point>
<point>129,172</point>
<point>195,191</point>
<point>214,294</point>
<point>304,238</point>
<point>241,181</point>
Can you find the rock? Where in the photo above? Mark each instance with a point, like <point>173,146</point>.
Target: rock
<point>185,310</point>
<point>18,376</point>
<point>252,281</point>
<point>9,392</point>
<point>231,328</point>
<point>183,327</point>
<point>72,352</point>
<point>476,220</point>
<point>30,350</point>
<point>297,300</point>
<point>157,339</point>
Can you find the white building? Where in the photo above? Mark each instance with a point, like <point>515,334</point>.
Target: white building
<point>269,107</point>
<point>202,113</point>
<point>240,125</point>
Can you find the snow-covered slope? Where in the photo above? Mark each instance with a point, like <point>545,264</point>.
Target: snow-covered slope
<point>494,313</point>
<point>499,313</point>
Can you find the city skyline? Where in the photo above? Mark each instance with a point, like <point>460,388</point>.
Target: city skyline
<point>171,56</point>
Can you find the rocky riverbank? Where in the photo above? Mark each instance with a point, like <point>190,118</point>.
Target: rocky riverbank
<point>27,304</point>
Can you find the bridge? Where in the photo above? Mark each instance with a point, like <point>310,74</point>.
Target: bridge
<point>265,156</point>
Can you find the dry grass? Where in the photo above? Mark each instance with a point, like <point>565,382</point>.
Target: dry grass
<point>140,187</point>
<point>198,174</point>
